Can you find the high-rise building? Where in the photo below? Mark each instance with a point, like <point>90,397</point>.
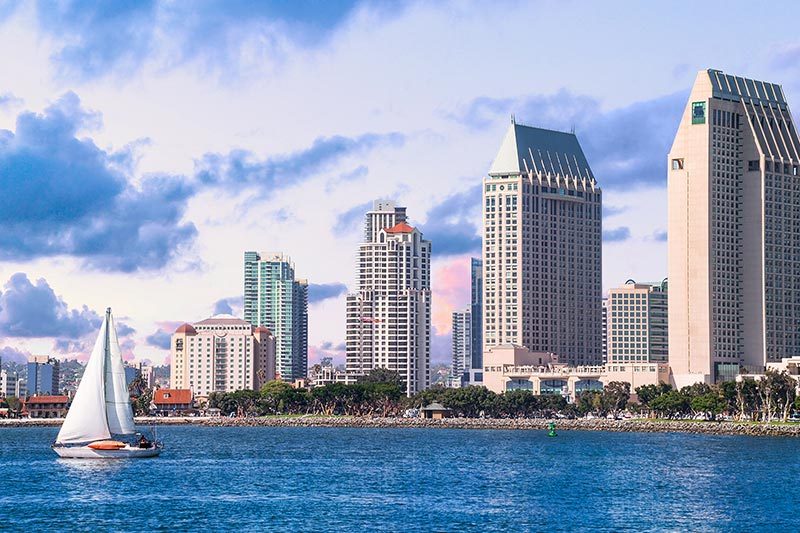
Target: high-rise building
<point>462,346</point>
<point>8,383</point>
<point>542,247</point>
<point>148,375</point>
<point>476,312</point>
<point>43,375</point>
<point>221,354</point>
<point>389,314</point>
<point>273,298</point>
<point>604,321</point>
<point>637,323</point>
<point>733,239</point>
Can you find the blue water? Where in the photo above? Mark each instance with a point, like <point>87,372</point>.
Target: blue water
<point>320,479</point>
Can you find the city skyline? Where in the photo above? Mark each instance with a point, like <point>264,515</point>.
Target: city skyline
<point>205,176</point>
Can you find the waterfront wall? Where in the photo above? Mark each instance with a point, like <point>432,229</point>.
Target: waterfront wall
<point>644,426</point>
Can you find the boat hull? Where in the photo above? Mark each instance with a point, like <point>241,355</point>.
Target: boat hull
<point>84,452</point>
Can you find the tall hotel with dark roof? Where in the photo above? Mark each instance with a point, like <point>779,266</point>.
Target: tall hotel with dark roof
<point>734,230</point>
<point>389,315</point>
<point>542,264</point>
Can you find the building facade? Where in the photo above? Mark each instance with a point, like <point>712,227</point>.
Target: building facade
<point>46,406</point>
<point>604,322</point>
<point>461,353</point>
<point>273,298</point>
<point>476,312</point>
<point>734,230</point>
<point>8,383</point>
<point>389,315</point>
<point>43,375</point>
<point>221,354</point>
<point>517,368</point>
<point>542,263</point>
<point>637,329</point>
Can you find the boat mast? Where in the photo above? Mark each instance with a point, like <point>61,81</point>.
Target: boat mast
<point>106,360</point>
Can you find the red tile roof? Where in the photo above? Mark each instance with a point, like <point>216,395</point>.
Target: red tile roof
<point>186,328</point>
<point>172,396</point>
<point>402,227</point>
<point>262,329</point>
<point>47,399</point>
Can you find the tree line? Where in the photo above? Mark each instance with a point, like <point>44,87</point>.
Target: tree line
<point>381,393</point>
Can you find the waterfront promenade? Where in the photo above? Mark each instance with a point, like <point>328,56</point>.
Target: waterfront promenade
<point>628,425</point>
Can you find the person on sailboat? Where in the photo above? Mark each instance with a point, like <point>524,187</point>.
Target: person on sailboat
<point>144,442</point>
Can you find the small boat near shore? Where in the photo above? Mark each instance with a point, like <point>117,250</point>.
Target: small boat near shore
<point>101,408</point>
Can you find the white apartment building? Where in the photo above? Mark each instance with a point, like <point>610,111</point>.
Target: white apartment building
<point>637,323</point>
<point>8,384</point>
<point>221,354</point>
<point>461,353</point>
<point>389,315</point>
<point>542,261</point>
<point>734,230</point>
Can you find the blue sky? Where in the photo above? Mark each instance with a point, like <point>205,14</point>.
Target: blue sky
<point>145,145</point>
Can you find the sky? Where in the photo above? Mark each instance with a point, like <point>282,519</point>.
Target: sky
<point>144,146</point>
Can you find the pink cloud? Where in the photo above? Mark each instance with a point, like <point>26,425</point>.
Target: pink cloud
<point>450,283</point>
<point>326,349</point>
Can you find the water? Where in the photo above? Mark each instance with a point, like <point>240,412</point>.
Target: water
<point>321,479</point>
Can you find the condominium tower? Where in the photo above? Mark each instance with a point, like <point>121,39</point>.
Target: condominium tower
<point>637,323</point>
<point>221,354</point>
<point>541,254</point>
<point>273,298</point>
<point>734,230</point>
<point>389,315</point>
<point>461,354</point>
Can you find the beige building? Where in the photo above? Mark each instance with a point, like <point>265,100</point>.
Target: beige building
<point>734,230</point>
<point>389,315</point>
<point>541,247</point>
<point>637,323</point>
<point>511,367</point>
<point>221,354</point>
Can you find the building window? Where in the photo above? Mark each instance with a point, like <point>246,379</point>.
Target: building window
<point>753,165</point>
<point>677,164</point>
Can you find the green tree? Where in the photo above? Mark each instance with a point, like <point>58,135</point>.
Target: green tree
<point>710,404</point>
<point>616,395</point>
<point>671,405</point>
<point>469,401</point>
<point>647,393</point>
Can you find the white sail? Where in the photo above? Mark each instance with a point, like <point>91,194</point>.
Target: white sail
<point>86,419</point>
<point>118,402</point>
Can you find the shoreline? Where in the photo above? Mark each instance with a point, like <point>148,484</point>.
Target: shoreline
<point>630,425</point>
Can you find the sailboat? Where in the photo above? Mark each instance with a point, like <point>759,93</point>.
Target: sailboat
<point>101,407</point>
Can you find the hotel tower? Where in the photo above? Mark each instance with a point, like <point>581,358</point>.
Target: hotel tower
<point>389,315</point>
<point>734,230</point>
<point>541,247</point>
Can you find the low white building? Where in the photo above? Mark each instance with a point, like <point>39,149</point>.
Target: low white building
<point>512,367</point>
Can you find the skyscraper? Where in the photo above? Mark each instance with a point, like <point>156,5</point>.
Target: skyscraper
<point>542,238</point>
<point>43,375</point>
<point>476,312</point>
<point>637,323</point>
<point>273,298</point>
<point>389,314</point>
<point>461,345</point>
<point>734,235</point>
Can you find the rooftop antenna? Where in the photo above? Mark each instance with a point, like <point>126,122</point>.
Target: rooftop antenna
<point>572,129</point>
<point>512,119</point>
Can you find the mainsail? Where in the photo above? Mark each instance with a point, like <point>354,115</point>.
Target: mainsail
<point>101,406</point>
<point>118,399</point>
